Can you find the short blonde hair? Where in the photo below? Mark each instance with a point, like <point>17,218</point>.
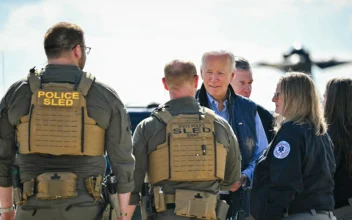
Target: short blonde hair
<point>177,73</point>
<point>301,102</point>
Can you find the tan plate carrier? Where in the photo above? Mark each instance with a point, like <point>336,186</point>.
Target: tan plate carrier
<point>190,152</point>
<point>58,122</point>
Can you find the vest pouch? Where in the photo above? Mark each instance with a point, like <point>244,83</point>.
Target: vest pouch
<point>94,186</point>
<point>159,199</point>
<point>190,203</point>
<point>17,196</point>
<point>60,185</point>
<point>28,189</point>
<point>221,210</point>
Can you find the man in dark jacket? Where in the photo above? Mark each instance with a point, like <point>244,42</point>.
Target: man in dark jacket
<point>242,84</point>
<point>217,71</point>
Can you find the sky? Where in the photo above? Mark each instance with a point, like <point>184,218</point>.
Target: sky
<point>132,40</point>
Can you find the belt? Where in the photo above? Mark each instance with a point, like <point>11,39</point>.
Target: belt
<point>312,212</point>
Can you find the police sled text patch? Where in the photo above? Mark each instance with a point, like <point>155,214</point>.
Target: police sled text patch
<point>189,130</point>
<point>58,98</point>
<point>282,149</point>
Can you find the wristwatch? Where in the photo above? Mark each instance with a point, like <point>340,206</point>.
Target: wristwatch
<point>7,209</point>
<point>245,180</point>
<point>123,214</point>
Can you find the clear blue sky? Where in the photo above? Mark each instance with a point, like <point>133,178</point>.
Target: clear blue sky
<point>133,40</point>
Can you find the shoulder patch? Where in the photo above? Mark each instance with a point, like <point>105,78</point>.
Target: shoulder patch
<point>282,149</point>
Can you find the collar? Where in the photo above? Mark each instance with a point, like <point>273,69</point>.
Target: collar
<point>202,98</point>
<point>61,74</point>
<point>215,102</point>
<point>186,105</point>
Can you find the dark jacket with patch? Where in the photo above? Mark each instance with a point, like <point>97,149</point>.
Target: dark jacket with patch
<point>295,174</point>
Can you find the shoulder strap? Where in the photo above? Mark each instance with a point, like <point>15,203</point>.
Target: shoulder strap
<point>162,114</point>
<point>208,113</point>
<point>86,82</point>
<point>33,79</point>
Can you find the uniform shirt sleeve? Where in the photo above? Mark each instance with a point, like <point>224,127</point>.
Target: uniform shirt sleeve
<point>233,161</point>
<point>140,152</point>
<point>119,147</point>
<point>285,172</point>
<point>260,146</point>
<point>7,146</point>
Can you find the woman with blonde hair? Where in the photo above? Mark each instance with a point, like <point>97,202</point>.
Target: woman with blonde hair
<point>338,114</point>
<point>293,178</point>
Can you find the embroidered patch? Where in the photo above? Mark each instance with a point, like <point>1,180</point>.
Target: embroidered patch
<point>282,149</point>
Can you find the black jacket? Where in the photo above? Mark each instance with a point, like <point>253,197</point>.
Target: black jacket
<point>343,178</point>
<point>268,122</point>
<point>295,174</point>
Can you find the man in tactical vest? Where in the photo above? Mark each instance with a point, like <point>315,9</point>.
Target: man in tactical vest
<point>61,122</point>
<point>187,151</point>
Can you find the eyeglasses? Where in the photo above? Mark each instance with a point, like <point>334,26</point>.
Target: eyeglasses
<point>276,95</point>
<point>86,48</point>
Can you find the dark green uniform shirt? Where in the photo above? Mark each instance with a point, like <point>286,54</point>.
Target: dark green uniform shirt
<point>151,132</point>
<point>103,105</point>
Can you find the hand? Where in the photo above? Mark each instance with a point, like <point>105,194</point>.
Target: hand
<point>238,184</point>
<point>235,186</point>
<point>8,216</point>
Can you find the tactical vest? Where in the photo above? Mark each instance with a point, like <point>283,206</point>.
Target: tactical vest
<point>190,152</point>
<point>58,123</point>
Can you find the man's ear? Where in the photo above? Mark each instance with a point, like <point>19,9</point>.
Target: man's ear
<point>233,74</point>
<point>196,80</point>
<point>165,84</point>
<point>77,51</point>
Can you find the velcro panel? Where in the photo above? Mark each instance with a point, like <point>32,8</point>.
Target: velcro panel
<point>192,150</point>
<point>56,121</point>
<point>56,131</point>
<point>192,159</point>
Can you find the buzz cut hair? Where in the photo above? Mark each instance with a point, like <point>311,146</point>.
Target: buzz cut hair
<point>177,73</point>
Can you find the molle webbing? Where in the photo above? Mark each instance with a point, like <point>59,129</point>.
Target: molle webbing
<point>190,152</point>
<point>58,122</point>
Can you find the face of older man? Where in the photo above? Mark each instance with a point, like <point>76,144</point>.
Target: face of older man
<point>217,75</point>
